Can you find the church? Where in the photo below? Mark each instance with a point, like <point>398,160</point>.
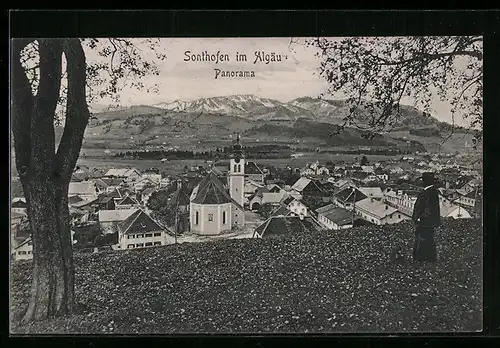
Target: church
<point>215,209</point>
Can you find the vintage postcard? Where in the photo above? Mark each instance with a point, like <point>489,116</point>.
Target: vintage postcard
<point>246,185</point>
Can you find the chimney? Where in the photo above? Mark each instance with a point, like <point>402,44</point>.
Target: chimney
<point>301,216</point>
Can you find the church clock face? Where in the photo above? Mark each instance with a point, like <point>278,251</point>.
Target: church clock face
<point>237,160</point>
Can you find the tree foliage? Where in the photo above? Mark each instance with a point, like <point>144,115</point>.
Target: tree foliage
<point>378,73</point>
<point>161,207</point>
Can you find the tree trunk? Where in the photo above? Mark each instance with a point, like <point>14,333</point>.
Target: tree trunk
<point>45,174</point>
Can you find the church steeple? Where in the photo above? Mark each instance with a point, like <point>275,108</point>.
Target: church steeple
<point>237,149</point>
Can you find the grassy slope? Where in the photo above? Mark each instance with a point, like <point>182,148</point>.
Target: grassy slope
<point>331,282</point>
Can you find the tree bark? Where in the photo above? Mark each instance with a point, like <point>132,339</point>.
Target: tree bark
<point>45,174</point>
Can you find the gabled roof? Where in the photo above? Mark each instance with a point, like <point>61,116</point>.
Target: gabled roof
<point>116,193</point>
<point>100,183</point>
<point>286,225</point>
<point>127,200</point>
<point>345,195</point>
<point>27,240</point>
<point>16,215</point>
<point>84,187</point>
<point>301,184</point>
<point>121,172</point>
<point>139,222</point>
<point>112,181</point>
<point>115,215</point>
<point>252,168</point>
<point>78,177</point>
<point>84,203</point>
<point>210,191</point>
<point>281,211</point>
<point>74,199</point>
<point>103,199</point>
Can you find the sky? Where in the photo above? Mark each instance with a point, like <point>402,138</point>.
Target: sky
<point>295,76</point>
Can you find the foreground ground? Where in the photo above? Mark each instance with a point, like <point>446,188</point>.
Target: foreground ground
<point>340,281</point>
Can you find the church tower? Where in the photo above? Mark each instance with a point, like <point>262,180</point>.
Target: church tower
<point>237,179</point>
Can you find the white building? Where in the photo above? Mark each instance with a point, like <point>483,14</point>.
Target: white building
<point>139,230</point>
<point>378,213</point>
<point>213,208</point>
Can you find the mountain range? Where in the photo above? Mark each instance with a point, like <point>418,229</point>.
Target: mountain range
<point>306,120</point>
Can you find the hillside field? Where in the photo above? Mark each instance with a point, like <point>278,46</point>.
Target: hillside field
<point>330,281</point>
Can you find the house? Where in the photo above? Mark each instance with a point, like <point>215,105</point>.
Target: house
<point>287,225</point>
<point>335,218</point>
<point>109,219</point>
<point>147,180</point>
<point>378,213</point>
<point>23,251</point>
<point>128,174</point>
<point>251,187</point>
<point>127,202</point>
<point>307,187</point>
<point>253,172</point>
<point>85,189</point>
<point>265,196</point>
<point>347,197</point>
<point>467,198</point>
<point>112,183</point>
<point>368,169</point>
<point>139,230</point>
<point>400,201</point>
<point>342,184</point>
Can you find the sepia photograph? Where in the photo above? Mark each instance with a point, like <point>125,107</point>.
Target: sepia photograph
<point>246,185</point>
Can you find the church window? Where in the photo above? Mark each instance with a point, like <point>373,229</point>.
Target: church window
<point>223,217</point>
<point>157,234</point>
<point>149,243</point>
<point>239,168</point>
<point>197,217</point>
<point>235,168</point>
<point>148,235</point>
<point>210,217</point>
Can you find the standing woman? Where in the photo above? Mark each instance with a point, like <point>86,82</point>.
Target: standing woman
<point>426,216</point>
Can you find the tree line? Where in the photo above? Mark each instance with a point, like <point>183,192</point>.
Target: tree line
<point>261,151</point>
